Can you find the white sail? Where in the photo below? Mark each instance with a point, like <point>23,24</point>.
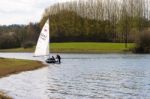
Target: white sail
<point>42,47</point>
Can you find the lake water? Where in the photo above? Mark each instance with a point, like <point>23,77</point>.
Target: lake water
<point>82,76</point>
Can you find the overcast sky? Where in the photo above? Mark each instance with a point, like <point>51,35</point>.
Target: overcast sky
<point>23,11</point>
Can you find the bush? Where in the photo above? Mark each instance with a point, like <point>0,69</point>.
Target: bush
<point>28,44</point>
<point>7,41</point>
<point>142,43</point>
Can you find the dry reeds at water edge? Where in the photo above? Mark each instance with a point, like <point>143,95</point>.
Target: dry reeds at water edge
<point>4,96</point>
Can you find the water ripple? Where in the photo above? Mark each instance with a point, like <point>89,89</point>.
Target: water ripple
<point>83,76</point>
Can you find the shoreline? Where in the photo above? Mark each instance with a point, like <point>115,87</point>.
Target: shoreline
<point>75,52</point>
<point>80,47</point>
<point>126,52</point>
<point>10,66</point>
<point>4,96</point>
<point>20,68</point>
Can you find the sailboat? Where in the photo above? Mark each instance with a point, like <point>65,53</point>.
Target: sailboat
<point>42,47</point>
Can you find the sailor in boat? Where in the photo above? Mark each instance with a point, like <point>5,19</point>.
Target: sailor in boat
<point>58,58</point>
<point>42,47</point>
<point>51,60</point>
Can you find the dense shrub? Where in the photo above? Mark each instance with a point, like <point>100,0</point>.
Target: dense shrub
<point>28,44</point>
<point>8,41</point>
<point>142,43</point>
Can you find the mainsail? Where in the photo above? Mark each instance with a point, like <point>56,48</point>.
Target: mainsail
<point>42,47</point>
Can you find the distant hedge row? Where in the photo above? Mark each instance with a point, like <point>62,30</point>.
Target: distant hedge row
<point>18,35</point>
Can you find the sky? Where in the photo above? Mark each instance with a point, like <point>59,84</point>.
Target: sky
<point>23,11</point>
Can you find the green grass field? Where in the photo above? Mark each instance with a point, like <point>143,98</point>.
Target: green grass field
<point>90,47</point>
<point>81,47</point>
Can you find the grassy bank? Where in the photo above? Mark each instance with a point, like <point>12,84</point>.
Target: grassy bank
<point>11,66</point>
<point>81,47</point>
<point>4,96</point>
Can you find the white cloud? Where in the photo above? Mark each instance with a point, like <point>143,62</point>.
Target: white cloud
<point>23,11</point>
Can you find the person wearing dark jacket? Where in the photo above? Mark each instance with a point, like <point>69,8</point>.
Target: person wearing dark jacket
<point>59,58</point>
<point>53,58</point>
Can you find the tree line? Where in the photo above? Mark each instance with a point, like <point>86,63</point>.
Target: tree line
<point>13,36</point>
<point>86,20</point>
<point>98,20</point>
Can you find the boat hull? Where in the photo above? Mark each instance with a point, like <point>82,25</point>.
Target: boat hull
<point>50,61</point>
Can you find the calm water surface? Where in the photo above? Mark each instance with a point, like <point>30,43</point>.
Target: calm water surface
<point>82,76</point>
